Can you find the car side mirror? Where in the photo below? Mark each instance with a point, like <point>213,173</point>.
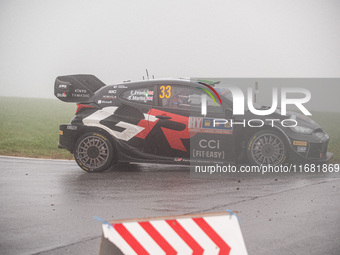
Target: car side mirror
<point>228,114</point>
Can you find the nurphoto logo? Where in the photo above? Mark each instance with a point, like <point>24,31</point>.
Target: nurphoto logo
<point>239,102</point>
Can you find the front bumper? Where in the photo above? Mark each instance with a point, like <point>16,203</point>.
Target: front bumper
<point>329,155</point>
<point>324,160</point>
<point>304,151</point>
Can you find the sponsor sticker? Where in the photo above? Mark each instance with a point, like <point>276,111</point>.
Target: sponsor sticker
<point>211,144</point>
<point>120,87</point>
<point>206,125</point>
<point>80,91</point>
<point>207,154</point>
<point>61,132</point>
<point>104,102</point>
<point>300,143</point>
<point>109,97</point>
<point>301,149</point>
<point>63,86</point>
<point>61,95</point>
<point>80,95</point>
<point>72,127</point>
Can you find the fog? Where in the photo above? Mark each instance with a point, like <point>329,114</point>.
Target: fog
<point>118,40</point>
<point>325,92</point>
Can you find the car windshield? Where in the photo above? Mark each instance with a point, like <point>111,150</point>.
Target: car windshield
<point>226,93</point>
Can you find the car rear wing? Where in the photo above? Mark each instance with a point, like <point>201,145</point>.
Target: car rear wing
<point>76,88</point>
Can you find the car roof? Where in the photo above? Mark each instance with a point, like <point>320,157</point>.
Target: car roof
<point>180,81</point>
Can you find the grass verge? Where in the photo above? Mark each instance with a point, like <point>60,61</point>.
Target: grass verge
<point>29,127</point>
<point>330,123</point>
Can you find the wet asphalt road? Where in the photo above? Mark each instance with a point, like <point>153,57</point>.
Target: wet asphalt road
<point>47,206</point>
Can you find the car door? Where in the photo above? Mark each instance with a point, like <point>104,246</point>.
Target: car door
<point>131,119</point>
<point>169,135</point>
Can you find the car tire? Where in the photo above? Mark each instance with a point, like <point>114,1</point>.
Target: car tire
<point>266,147</point>
<point>93,152</point>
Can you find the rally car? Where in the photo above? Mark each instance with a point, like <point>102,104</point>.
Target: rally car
<point>164,121</point>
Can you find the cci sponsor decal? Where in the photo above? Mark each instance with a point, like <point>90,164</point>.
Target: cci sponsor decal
<point>208,149</point>
<point>211,144</point>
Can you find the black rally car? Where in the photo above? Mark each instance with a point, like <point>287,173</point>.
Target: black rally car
<point>161,121</point>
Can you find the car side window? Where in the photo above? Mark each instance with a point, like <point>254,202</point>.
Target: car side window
<point>139,95</point>
<point>173,96</point>
<point>181,97</point>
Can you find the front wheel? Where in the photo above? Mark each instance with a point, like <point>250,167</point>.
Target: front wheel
<point>93,152</point>
<point>266,148</point>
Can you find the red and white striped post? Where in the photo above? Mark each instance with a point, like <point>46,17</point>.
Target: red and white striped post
<point>213,233</point>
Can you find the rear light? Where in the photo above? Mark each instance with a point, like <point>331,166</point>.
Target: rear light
<point>82,106</point>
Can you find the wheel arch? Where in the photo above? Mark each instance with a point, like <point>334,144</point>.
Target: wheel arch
<point>251,131</point>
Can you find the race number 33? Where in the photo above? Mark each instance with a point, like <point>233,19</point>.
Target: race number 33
<point>165,92</point>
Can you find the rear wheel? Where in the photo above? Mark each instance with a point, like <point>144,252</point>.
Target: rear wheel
<point>266,148</point>
<point>93,152</point>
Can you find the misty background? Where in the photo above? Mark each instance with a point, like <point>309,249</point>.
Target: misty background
<point>325,92</point>
<point>118,40</point>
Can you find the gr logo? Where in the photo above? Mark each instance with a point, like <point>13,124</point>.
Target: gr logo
<point>211,144</point>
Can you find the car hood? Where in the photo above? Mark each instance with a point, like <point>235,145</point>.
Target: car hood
<point>303,120</point>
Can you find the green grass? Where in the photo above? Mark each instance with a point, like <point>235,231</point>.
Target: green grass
<point>330,123</point>
<point>30,127</point>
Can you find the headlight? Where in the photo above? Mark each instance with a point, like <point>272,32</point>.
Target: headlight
<point>302,130</point>
<point>322,136</point>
